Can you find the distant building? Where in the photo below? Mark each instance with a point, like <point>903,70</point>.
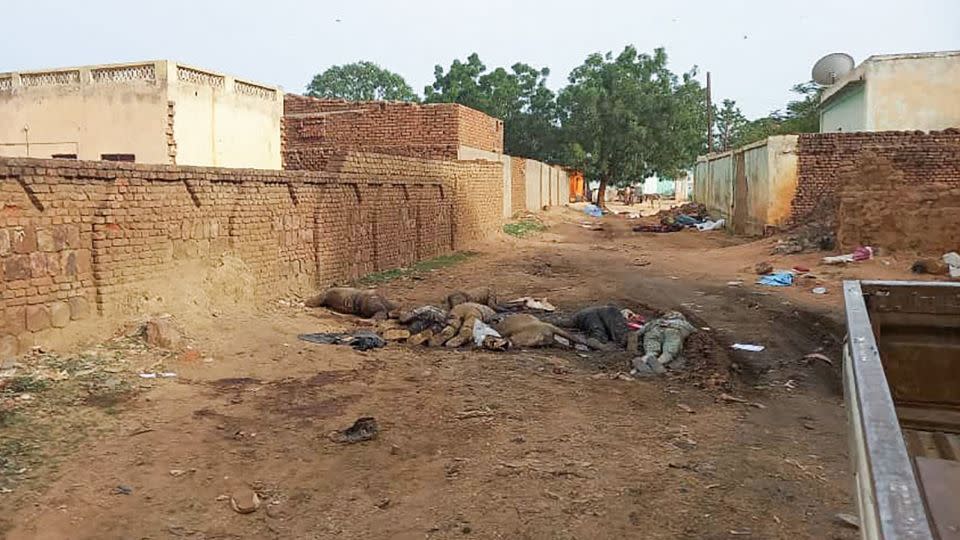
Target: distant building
<point>895,92</point>
<point>148,112</point>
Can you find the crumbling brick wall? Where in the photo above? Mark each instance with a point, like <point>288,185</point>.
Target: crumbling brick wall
<point>316,129</point>
<point>896,190</point>
<point>518,187</point>
<point>79,237</point>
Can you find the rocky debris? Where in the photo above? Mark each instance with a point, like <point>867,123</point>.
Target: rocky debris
<point>245,501</point>
<point>396,334</point>
<point>364,429</point>
<point>763,268</point>
<point>848,520</point>
<point>161,332</point>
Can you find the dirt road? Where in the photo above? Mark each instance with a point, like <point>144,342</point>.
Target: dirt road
<point>524,444</point>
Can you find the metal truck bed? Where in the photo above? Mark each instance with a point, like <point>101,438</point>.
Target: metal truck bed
<point>902,390</point>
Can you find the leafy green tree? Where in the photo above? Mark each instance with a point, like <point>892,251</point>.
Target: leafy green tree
<point>361,81</point>
<point>801,116</point>
<point>519,96</point>
<point>729,123</point>
<point>628,117</point>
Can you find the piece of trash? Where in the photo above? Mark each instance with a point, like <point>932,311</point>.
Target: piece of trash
<point>364,429</point>
<point>593,210</point>
<point>168,374</point>
<point>747,347</point>
<point>801,269</point>
<point>686,408</point>
<point>776,279</point>
<point>177,472</point>
<point>953,262</point>
<point>818,356</point>
<point>245,501</point>
<point>641,262</point>
<point>710,225</point>
<point>740,532</point>
<point>486,337</point>
<point>819,290</point>
<point>152,375</point>
<point>862,253</point>
<point>732,399</point>
<point>848,520</point>
<point>734,283</point>
<point>361,341</point>
<point>534,303</point>
<point>148,375</point>
<point>122,490</point>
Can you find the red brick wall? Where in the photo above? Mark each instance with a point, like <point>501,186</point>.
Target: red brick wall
<point>79,237</point>
<point>897,190</point>
<point>518,181</point>
<point>315,129</point>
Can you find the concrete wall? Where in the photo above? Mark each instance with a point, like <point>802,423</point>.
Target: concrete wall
<point>220,121</point>
<point>846,112</point>
<point>914,93</point>
<point>751,187</point>
<point>160,112</point>
<point>545,185</point>
<point>87,111</point>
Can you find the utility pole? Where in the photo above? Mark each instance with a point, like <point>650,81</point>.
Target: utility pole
<point>709,118</point>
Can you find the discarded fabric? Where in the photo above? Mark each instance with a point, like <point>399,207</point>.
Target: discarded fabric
<point>658,228</point>
<point>360,341</point>
<point>710,225</point>
<point>777,279</point>
<point>593,210</point>
<point>747,347</point>
<point>862,253</point>
<point>364,429</point>
<point>530,302</point>
<point>482,330</point>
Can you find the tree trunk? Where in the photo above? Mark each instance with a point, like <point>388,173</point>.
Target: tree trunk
<point>602,193</point>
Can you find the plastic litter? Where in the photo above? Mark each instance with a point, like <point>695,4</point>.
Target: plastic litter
<point>819,290</point>
<point>481,330</point>
<point>862,253</point>
<point>530,302</point>
<point>593,210</point>
<point>747,347</point>
<point>777,279</point>
<point>953,261</point>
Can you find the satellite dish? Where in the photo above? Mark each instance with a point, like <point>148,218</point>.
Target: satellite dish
<point>831,67</point>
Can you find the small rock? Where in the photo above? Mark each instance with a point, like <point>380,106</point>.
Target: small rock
<point>763,268</point>
<point>394,449</point>
<point>274,511</point>
<point>848,520</point>
<point>685,408</point>
<point>383,503</point>
<point>222,497</point>
<point>177,472</point>
<point>364,429</point>
<point>122,490</point>
<point>245,501</point>
<point>161,333</point>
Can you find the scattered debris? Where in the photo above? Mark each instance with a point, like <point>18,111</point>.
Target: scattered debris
<point>777,279</point>
<point>819,290</point>
<point>710,225</point>
<point>686,408</point>
<point>740,532</point>
<point>486,337</point>
<point>818,356</point>
<point>361,341</point>
<point>747,347</point>
<point>122,490</point>
<point>862,253</point>
<point>176,473</point>
<point>936,267</point>
<point>364,429</point>
<point>734,283</point>
<point>848,520</point>
<point>396,334</point>
<point>538,304</point>
<point>763,268</point>
<point>245,501</point>
<point>593,210</point>
<point>733,399</point>
<point>153,375</point>
<point>475,413</point>
<point>161,332</point>
<point>953,262</point>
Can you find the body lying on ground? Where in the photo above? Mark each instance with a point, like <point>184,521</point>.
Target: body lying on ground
<point>477,295</point>
<point>602,323</point>
<point>525,330</point>
<point>459,328</point>
<point>351,301</point>
<point>662,342</point>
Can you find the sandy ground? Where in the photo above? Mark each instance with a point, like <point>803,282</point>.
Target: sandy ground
<point>524,444</point>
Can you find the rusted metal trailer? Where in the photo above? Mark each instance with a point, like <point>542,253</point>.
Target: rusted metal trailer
<point>902,389</point>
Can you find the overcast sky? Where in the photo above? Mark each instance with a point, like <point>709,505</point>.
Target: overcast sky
<point>755,50</point>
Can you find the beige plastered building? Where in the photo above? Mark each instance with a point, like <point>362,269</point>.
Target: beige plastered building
<point>159,112</point>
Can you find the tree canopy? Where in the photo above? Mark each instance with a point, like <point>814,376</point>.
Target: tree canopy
<point>801,116</point>
<point>361,81</point>
<point>627,117</point>
<point>519,96</point>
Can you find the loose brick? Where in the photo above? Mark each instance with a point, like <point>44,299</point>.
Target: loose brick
<point>9,346</point>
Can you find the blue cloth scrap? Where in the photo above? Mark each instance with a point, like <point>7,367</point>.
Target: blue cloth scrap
<point>777,279</point>
<point>593,210</point>
<point>684,219</point>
